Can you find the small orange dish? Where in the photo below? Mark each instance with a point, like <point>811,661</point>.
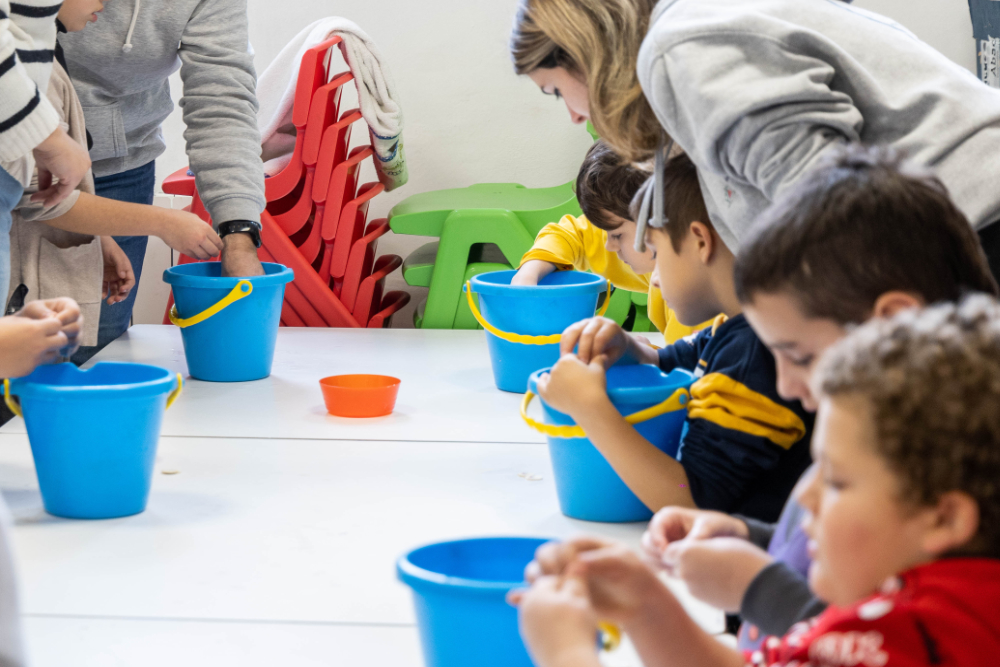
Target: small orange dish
<point>359,395</point>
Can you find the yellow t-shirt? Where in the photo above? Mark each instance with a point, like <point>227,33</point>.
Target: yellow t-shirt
<point>575,243</point>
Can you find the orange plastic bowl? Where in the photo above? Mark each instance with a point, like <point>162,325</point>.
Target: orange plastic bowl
<point>359,395</point>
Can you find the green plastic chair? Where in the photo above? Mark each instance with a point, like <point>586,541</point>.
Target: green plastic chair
<point>506,215</point>
<point>505,218</point>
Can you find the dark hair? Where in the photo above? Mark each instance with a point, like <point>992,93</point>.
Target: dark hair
<point>862,224</point>
<point>929,378</point>
<point>682,200</point>
<point>606,185</point>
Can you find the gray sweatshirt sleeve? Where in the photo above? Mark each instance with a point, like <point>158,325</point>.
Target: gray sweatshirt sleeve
<point>745,104</point>
<point>761,532</point>
<point>220,111</point>
<point>778,598</point>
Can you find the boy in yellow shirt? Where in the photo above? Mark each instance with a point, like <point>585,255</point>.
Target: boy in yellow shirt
<point>603,239</point>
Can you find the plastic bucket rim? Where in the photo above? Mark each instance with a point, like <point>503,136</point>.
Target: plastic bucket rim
<point>628,394</point>
<point>175,276</point>
<point>23,387</point>
<point>592,284</point>
<point>415,576</point>
<point>395,382</point>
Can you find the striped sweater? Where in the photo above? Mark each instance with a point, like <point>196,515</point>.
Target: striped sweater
<point>27,40</point>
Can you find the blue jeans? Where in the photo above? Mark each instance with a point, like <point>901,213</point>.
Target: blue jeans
<point>135,186</point>
<point>10,195</point>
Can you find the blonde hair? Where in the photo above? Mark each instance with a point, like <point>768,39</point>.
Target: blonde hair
<point>598,40</point>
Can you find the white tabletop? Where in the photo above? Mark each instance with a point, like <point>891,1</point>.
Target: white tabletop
<point>266,550</point>
<point>447,392</point>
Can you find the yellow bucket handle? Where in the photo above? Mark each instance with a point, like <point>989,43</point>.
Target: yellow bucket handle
<point>522,338</point>
<point>677,401</point>
<point>243,289</point>
<point>15,406</point>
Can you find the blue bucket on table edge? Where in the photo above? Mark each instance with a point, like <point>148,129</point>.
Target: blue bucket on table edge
<point>94,434</point>
<point>236,344</point>
<point>459,594</point>
<point>587,485</point>
<point>560,299</point>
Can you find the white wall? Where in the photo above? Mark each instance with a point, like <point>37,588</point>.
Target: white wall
<point>468,118</point>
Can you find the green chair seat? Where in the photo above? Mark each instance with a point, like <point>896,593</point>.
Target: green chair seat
<point>424,214</point>
<point>418,267</point>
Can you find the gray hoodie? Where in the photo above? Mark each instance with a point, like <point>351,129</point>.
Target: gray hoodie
<point>120,74</point>
<point>757,91</point>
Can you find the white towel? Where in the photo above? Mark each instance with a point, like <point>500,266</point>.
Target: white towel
<point>376,93</point>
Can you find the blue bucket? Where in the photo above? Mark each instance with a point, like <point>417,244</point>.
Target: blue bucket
<point>587,485</point>
<point>559,300</point>
<point>229,325</point>
<point>459,593</point>
<point>94,433</point>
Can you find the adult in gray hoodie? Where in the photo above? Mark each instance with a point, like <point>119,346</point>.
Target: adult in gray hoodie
<point>120,68</point>
<point>757,92</point>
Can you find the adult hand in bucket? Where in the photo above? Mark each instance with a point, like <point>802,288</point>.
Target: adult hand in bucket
<point>605,338</point>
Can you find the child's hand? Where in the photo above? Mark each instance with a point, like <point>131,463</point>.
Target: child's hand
<point>573,387</point>
<point>63,309</point>
<point>26,343</point>
<point>601,337</point>
<point>717,571</point>
<point>597,336</point>
<point>119,278</point>
<point>672,524</point>
<point>557,622</point>
<point>532,271</point>
<point>619,584</point>
<point>187,233</point>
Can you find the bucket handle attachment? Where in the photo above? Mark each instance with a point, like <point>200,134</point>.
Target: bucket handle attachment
<point>176,392</point>
<point>243,289</point>
<point>523,339</point>
<point>15,406</point>
<point>676,401</point>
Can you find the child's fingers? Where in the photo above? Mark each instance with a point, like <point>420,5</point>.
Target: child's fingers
<point>586,347</point>
<point>570,337</point>
<point>553,557</point>
<point>515,596</point>
<point>543,384</point>
<point>600,362</point>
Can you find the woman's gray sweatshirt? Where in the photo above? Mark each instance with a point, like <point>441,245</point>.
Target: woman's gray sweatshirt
<point>121,78</point>
<point>758,91</point>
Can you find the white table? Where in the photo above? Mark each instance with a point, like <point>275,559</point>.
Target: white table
<point>270,549</point>
<point>446,395</point>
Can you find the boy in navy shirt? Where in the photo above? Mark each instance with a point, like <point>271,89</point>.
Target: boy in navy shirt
<point>744,447</point>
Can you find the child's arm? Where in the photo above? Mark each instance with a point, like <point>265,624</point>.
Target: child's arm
<point>580,391</point>
<point>532,271</point>
<point>181,230</point>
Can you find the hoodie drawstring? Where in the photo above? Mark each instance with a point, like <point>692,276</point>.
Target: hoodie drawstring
<point>127,47</point>
<point>653,198</point>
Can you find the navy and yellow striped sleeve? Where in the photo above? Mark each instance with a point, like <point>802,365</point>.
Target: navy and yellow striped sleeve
<point>744,447</point>
<point>685,353</point>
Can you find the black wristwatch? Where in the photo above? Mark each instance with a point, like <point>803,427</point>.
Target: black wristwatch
<point>241,226</point>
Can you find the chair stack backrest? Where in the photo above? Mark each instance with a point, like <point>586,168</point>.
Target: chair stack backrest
<point>315,221</point>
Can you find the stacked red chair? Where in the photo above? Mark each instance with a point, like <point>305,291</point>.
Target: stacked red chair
<point>316,219</point>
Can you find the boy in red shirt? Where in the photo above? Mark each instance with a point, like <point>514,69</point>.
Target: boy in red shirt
<point>903,527</point>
